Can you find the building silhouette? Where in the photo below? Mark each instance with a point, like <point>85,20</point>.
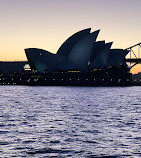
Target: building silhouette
<point>80,60</point>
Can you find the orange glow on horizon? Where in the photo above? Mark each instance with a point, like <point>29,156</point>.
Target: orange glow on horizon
<point>136,69</point>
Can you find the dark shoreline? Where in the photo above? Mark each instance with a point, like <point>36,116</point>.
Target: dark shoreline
<point>91,79</point>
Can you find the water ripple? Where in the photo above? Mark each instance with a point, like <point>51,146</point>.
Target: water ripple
<point>73,122</point>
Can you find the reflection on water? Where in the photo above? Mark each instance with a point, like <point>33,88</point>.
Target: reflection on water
<point>70,121</point>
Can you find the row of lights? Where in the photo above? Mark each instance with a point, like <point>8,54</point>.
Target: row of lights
<point>119,80</point>
<point>6,78</point>
<point>46,79</point>
<point>55,79</point>
<point>7,83</point>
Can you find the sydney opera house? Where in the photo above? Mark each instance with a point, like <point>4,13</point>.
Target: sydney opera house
<point>81,60</point>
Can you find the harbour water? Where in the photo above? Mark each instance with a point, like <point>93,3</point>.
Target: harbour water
<point>70,122</point>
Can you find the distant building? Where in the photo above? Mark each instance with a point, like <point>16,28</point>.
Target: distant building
<point>79,52</point>
<point>12,67</point>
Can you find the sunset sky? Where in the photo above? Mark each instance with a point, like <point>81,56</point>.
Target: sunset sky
<point>47,24</point>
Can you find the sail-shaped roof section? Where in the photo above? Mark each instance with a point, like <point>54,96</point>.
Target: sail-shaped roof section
<point>104,54</point>
<point>43,60</point>
<point>116,57</point>
<point>81,52</point>
<point>100,61</point>
<point>98,47</point>
<point>67,46</point>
